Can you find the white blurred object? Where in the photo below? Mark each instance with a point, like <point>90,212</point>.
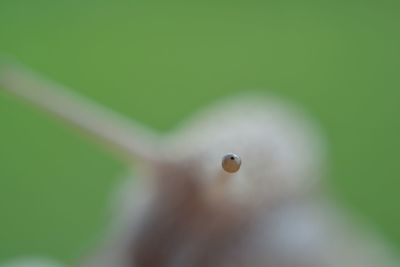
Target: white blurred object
<point>185,212</point>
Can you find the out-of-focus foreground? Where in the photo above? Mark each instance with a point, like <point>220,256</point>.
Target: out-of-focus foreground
<point>158,62</point>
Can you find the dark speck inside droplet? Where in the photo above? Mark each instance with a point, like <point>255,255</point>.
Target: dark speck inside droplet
<point>232,158</point>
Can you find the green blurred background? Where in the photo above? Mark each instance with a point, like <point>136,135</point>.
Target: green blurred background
<point>160,61</point>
